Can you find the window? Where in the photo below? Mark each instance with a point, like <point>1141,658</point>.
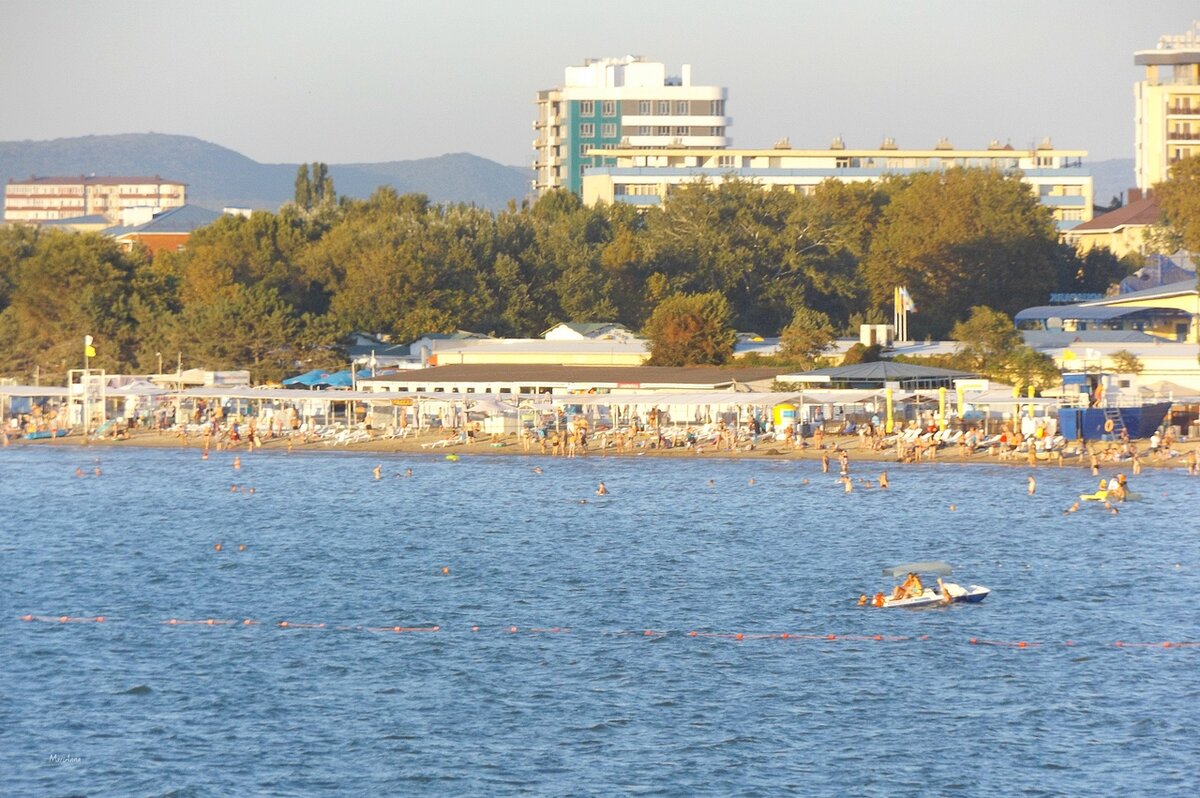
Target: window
<point>717,131</point>
<point>608,130</point>
<point>644,107</point>
<point>587,130</point>
<point>608,108</point>
<point>716,107</point>
<point>681,108</point>
<point>587,108</point>
<point>643,130</point>
<point>725,162</point>
<point>681,131</point>
<point>664,107</point>
<point>583,148</point>
<point>664,130</point>
<point>582,168</point>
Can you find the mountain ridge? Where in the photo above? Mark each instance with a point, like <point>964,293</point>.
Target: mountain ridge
<point>220,177</point>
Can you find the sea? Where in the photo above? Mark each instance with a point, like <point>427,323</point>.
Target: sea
<point>295,626</point>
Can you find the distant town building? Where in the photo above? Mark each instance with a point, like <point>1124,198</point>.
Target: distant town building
<point>41,199</point>
<point>579,331</point>
<point>1121,231</point>
<point>1167,106</point>
<point>645,176</point>
<point>168,230</point>
<point>611,102</point>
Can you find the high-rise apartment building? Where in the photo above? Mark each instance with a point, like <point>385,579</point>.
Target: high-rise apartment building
<point>43,199</point>
<point>1167,106</point>
<point>612,102</point>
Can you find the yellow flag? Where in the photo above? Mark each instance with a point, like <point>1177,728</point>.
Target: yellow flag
<point>89,350</point>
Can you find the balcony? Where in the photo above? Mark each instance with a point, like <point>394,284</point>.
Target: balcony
<point>1180,110</point>
<point>1181,135</point>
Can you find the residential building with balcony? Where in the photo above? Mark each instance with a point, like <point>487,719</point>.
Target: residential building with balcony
<point>646,176</point>
<point>1167,106</point>
<point>42,199</point>
<point>621,102</point>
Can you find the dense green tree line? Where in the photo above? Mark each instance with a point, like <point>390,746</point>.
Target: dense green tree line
<point>274,292</point>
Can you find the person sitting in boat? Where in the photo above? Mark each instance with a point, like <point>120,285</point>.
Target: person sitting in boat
<point>909,588</point>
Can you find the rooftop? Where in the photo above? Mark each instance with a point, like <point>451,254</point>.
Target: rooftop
<point>96,180</point>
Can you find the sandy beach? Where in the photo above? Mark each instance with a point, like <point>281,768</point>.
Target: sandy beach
<point>424,445</point>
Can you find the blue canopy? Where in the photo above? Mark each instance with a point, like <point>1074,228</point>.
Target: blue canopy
<point>308,378</point>
<point>340,379</point>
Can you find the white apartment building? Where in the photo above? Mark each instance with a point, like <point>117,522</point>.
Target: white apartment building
<point>611,102</point>
<point>41,199</point>
<point>1167,106</point>
<point>646,176</point>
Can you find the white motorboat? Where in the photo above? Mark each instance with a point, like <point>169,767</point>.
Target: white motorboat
<point>941,595</point>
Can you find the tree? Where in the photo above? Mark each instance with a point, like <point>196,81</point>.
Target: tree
<point>958,239</point>
<point>690,329</point>
<point>989,344</point>
<point>1092,273</point>
<point>1126,362</point>
<point>861,353</point>
<point>313,191</point>
<point>66,286</point>
<point>809,334</point>
<point>1179,199</point>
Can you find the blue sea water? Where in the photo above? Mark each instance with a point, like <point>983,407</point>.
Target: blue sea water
<point>136,706</point>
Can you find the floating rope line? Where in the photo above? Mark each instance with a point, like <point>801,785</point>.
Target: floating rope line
<point>638,633</point>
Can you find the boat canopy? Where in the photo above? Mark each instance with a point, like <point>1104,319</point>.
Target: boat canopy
<point>930,567</point>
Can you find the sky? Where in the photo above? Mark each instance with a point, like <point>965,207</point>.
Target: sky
<point>359,81</point>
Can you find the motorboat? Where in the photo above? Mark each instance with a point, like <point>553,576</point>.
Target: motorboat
<point>940,594</point>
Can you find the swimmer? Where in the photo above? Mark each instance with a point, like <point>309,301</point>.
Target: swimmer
<point>712,483</point>
<point>751,483</point>
<point>802,482</point>
<point>601,491</point>
<point>78,472</point>
<point>408,472</point>
<point>233,488</point>
<point>537,469</point>
<point>204,455</point>
<point>237,463</point>
<point>883,480</point>
<point>1032,485</point>
<point>96,470</point>
<point>377,471</point>
<point>849,486</point>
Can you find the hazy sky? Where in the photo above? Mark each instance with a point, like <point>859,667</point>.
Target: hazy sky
<point>361,80</point>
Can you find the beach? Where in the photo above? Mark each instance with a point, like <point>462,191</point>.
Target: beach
<point>430,443</point>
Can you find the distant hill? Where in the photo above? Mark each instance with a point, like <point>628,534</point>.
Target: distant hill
<point>218,177</point>
<point>1111,179</point>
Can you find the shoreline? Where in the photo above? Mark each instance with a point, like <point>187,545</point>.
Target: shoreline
<point>509,446</point>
